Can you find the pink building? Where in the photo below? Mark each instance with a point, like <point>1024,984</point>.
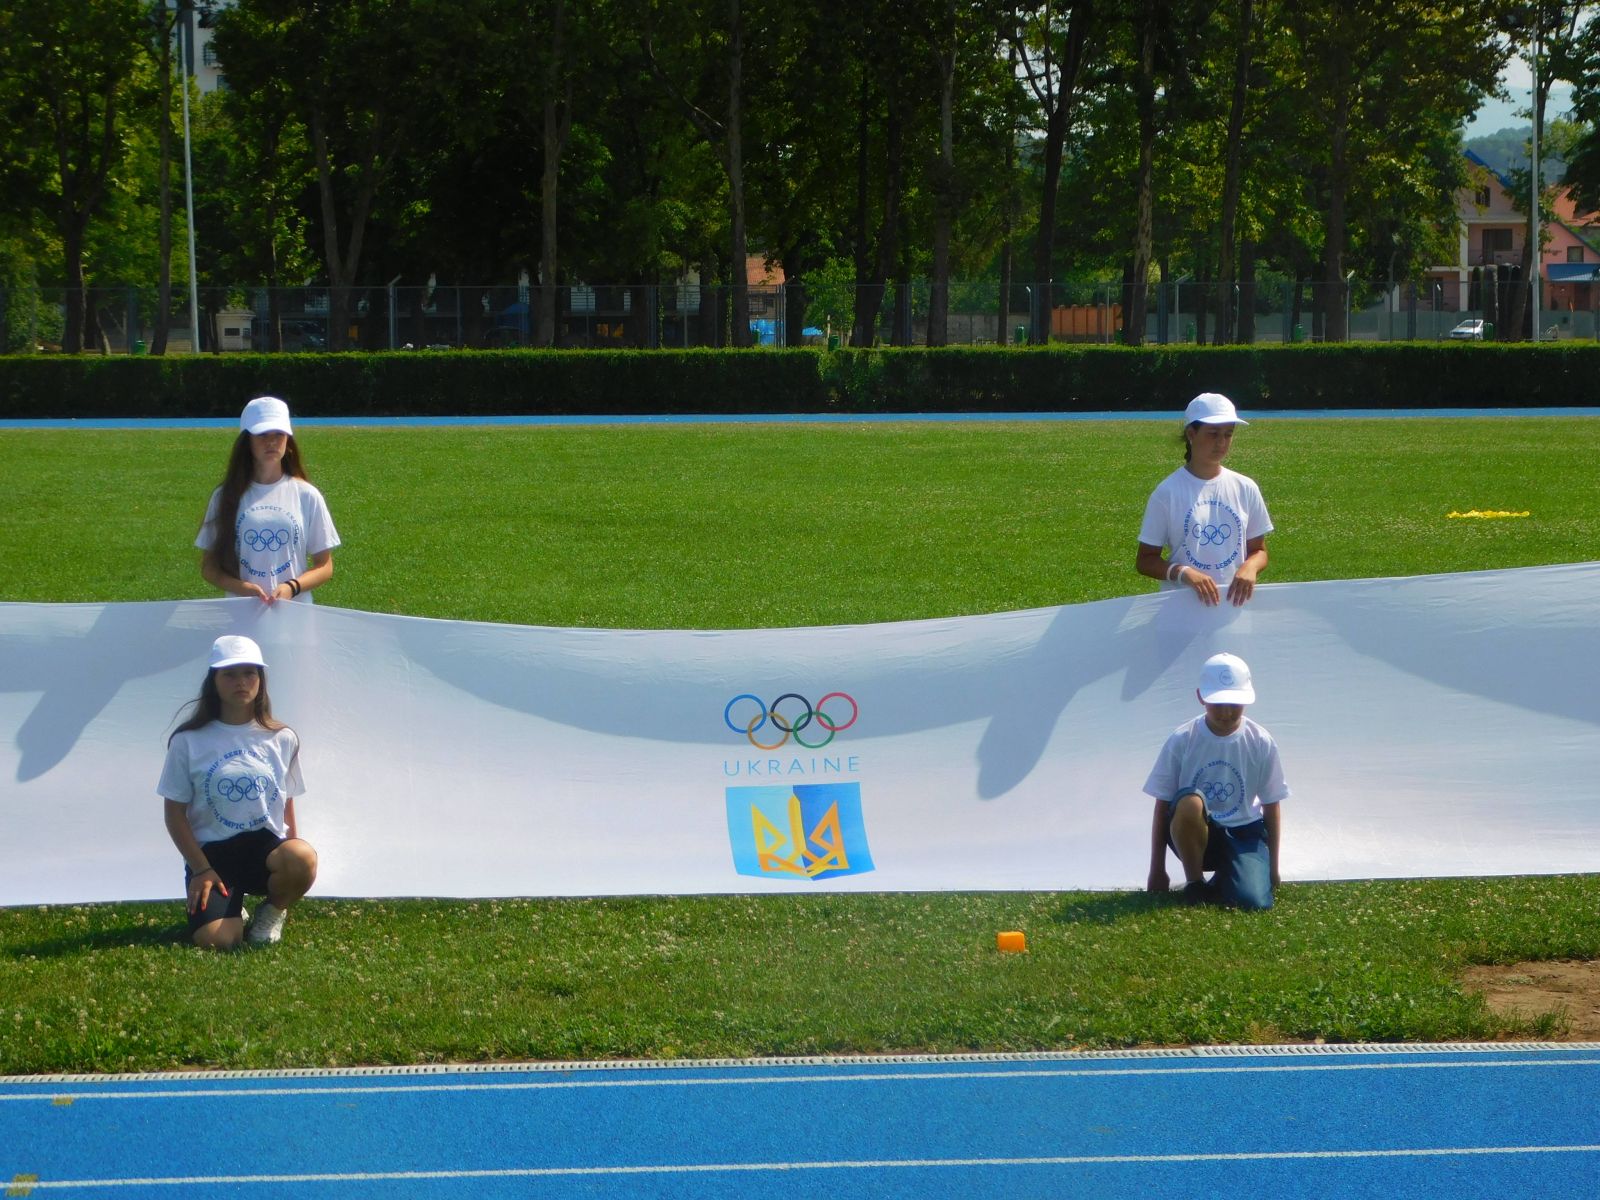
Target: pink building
<point>1493,232</point>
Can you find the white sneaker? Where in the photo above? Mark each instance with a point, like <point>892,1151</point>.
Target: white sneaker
<point>267,929</point>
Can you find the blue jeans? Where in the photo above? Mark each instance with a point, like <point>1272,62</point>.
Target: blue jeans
<point>1241,861</point>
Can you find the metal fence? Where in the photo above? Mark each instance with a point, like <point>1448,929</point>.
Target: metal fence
<point>124,320</point>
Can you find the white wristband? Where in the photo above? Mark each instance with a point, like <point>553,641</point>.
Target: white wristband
<point>1175,573</point>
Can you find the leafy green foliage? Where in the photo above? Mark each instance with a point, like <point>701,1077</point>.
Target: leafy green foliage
<point>955,379</point>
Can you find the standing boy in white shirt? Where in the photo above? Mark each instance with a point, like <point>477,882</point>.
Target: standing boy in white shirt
<point>1217,785</point>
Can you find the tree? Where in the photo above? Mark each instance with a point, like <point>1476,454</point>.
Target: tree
<point>1377,76</point>
<point>1167,35</point>
<point>67,76</point>
<point>368,79</point>
<point>968,45</point>
<point>1052,51</point>
<point>713,44</point>
<point>1552,25</point>
<point>163,27</point>
<point>572,48</point>
<point>1233,174</point>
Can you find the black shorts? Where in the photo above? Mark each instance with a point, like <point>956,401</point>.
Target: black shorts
<point>242,862</point>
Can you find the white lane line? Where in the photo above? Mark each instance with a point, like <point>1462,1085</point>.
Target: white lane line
<point>754,1080</point>
<point>1075,1160</point>
<point>1365,1050</point>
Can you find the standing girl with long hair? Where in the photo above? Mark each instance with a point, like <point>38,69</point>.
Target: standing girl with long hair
<point>266,532</point>
<point>1211,519</point>
<point>229,782</point>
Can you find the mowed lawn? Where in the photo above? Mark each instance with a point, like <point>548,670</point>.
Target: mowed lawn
<point>763,525</point>
<point>718,526</point>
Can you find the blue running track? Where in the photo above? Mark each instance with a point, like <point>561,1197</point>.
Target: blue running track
<point>1503,1121</point>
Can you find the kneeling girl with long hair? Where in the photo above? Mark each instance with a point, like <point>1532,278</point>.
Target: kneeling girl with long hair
<point>229,783</point>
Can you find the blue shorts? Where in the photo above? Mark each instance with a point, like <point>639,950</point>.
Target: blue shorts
<point>241,861</point>
<point>1240,858</point>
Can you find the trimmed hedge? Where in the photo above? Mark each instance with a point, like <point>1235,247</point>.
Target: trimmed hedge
<point>962,379</point>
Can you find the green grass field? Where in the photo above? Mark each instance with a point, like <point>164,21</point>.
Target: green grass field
<point>723,526</point>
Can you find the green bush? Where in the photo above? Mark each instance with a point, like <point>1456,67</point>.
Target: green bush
<point>965,379</point>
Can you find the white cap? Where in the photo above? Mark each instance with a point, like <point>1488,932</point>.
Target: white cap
<point>1212,408</point>
<point>265,414</point>
<point>232,650</point>
<point>1225,679</point>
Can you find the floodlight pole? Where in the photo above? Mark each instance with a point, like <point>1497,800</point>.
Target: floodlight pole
<point>1538,256</point>
<point>187,8</point>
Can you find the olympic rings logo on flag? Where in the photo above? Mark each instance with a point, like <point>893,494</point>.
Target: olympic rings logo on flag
<point>799,717</point>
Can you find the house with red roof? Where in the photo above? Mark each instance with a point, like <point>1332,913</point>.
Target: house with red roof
<point>1493,231</point>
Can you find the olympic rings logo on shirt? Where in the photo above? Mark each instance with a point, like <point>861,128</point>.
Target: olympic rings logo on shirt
<point>265,540</point>
<point>241,789</point>
<point>1213,535</point>
<point>800,715</point>
<point>1217,792</point>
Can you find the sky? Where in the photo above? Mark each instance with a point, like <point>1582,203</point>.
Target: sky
<point>1496,115</point>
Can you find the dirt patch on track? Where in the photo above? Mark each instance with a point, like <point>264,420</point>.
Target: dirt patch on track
<point>1531,989</point>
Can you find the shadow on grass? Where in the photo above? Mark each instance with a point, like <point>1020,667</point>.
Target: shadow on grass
<point>1109,907</point>
<point>88,941</point>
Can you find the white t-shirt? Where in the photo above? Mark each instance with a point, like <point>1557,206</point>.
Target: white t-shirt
<point>1236,774</point>
<point>279,528</point>
<point>1205,523</point>
<point>232,778</point>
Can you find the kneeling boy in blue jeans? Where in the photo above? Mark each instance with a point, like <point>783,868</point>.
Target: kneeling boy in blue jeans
<point>1217,784</point>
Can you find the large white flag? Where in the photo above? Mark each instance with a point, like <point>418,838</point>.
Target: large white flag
<point>1441,725</point>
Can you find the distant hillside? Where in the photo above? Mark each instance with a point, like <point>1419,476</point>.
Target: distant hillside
<point>1507,150</point>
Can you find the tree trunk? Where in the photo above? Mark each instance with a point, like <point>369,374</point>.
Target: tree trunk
<point>94,332</point>
<point>1060,110</point>
<point>1007,216</point>
<point>547,226</point>
<point>795,300</point>
<point>158,333</point>
<point>1247,294</point>
<point>709,308</point>
<point>1227,320</point>
<point>889,232</point>
<point>1044,246</point>
<point>1144,233</point>
<point>344,267</point>
<point>557,123</point>
<point>270,243</point>
<point>902,308</point>
<point>1333,297</point>
<point>77,293</point>
<point>944,197</point>
<point>867,298</point>
<point>734,149</point>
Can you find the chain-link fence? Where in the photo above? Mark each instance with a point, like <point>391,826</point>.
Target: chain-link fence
<point>128,320</point>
